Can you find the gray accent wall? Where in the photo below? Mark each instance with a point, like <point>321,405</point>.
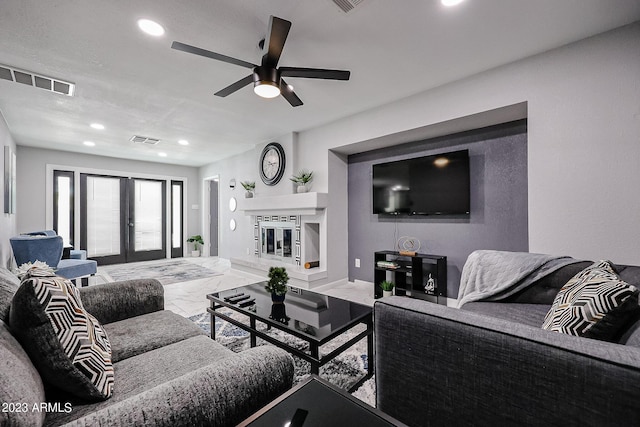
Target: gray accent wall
<point>7,221</point>
<point>499,202</point>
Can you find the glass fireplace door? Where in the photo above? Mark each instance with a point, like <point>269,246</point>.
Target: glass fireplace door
<point>276,241</point>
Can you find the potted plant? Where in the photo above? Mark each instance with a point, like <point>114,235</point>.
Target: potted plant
<point>277,283</point>
<point>250,186</point>
<point>302,179</point>
<point>387,288</point>
<point>197,241</point>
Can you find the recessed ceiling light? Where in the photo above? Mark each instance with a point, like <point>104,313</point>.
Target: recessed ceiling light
<point>451,2</point>
<point>150,27</point>
<point>97,126</point>
<point>183,142</point>
<point>162,154</point>
<point>89,143</point>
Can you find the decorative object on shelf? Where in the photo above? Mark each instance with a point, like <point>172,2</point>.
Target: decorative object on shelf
<point>233,204</point>
<point>232,224</point>
<point>387,288</point>
<point>408,246</point>
<point>277,283</point>
<point>387,264</point>
<point>430,285</point>
<point>232,183</point>
<point>302,179</point>
<point>272,163</point>
<point>197,241</point>
<point>250,186</point>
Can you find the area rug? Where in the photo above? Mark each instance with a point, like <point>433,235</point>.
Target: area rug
<point>343,371</point>
<point>167,273</point>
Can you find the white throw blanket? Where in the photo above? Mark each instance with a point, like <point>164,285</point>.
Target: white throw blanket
<point>493,275</point>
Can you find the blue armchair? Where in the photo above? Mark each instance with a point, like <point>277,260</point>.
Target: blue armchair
<point>48,249</point>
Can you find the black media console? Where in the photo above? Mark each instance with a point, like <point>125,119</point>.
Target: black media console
<point>420,276</point>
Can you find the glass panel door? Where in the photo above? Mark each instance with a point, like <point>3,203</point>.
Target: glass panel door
<point>146,220</point>
<point>103,218</point>
<point>122,219</point>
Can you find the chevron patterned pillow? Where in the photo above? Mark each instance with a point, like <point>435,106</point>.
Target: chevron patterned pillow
<point>595,303</point>
<point>67,345</point>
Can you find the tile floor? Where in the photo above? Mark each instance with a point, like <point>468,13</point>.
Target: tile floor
<point>189,298</point>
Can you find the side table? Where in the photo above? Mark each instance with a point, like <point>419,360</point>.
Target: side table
<point>317,402</point>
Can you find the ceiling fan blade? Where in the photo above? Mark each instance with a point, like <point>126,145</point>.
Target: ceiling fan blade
<point>235,86</point>
<point>208,54</point>
<point>315,73</point>
<point>276,36</point>
<point>290,95</point>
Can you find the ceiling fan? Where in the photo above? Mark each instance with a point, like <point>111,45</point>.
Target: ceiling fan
<point>267,77</point>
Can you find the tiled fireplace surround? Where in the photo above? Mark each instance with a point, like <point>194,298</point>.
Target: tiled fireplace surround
<point>305,215</point>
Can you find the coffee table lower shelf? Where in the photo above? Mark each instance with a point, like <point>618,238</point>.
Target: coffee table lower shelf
<point>313,357</point>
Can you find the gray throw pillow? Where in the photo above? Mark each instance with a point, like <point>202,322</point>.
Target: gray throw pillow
<point>66,344</point>
<point>595,303</point>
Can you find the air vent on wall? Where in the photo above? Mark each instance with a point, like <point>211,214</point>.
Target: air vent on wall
<point>144,140</point>
<point>347,5</point>
<point>37,80</point>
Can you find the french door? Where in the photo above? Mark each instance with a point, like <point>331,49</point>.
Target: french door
<point>122,219</point>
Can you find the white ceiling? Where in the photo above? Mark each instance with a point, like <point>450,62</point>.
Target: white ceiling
<point>136,84</point>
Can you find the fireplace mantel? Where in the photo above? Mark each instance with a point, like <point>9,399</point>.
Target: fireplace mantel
<point>291,204</point>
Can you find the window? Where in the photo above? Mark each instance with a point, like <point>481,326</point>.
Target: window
<point>63,205</point>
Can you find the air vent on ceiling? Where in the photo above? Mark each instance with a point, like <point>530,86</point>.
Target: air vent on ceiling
<point>37,80</point>
<point>144,140</point>
<point>347,5</point>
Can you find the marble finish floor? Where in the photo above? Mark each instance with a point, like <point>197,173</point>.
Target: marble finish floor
<point>189,298</point>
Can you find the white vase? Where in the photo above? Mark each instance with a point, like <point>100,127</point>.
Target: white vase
<point>302,188</point>
<point>387,293</point>
<point>248,195</point>
<point>195,254</point>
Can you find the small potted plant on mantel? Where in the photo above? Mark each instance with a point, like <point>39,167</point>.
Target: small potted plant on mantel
<point>197,241</point>
<point>277,283</point>
<point>250,186</point>
<point>302,179</point>
<point>387,288</point>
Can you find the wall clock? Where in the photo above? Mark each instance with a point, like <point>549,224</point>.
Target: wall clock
<point>272,163</point>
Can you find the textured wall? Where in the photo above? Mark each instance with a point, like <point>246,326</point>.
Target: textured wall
<point>498,218</point>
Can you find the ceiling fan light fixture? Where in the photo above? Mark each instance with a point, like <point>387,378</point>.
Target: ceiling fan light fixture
<point>266,82</point>
<point>266,89</point>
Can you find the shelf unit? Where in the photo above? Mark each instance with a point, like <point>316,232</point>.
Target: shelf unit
<point>411,275</point>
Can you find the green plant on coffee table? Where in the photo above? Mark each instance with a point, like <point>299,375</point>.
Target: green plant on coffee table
<point>196,240</point>
<point>303,177</point>
<point>278,279</point>
<point>249,185</point>
<point>387,286</point>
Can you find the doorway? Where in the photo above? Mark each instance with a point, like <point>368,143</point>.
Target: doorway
<point>122,219</point>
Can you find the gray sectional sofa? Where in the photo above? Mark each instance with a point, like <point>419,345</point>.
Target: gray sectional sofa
<point>168,372</point>
<point>491,363</point>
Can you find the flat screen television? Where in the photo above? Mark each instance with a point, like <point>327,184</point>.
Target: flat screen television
<point>430,185</point>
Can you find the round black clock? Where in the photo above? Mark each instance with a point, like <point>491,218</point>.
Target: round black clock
<point>272,162</point>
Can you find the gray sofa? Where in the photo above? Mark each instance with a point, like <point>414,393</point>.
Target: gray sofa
<point>490,363</point>
<point>168,372</point>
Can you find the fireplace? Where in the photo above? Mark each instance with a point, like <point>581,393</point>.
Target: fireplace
<point>290,231</point>
<point>278,238</point>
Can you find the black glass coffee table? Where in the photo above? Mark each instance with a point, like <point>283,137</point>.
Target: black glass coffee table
<point>309,316</point>
<point>317,403</point>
